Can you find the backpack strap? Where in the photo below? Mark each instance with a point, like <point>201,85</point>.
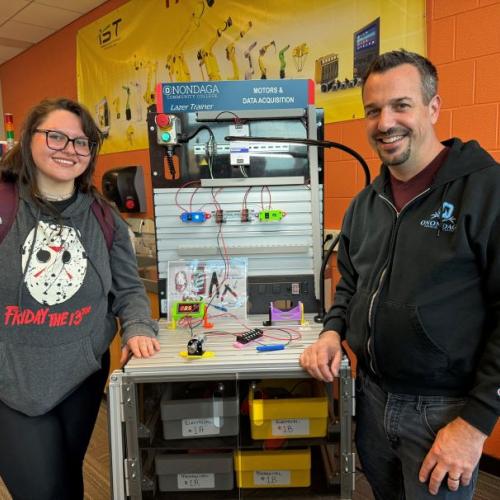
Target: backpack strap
<point>9,202</point>
<point>104,215</point>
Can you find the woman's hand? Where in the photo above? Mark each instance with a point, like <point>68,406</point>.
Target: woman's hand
<point>140,346</point>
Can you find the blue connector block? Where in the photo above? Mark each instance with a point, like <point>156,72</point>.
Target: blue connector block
<point>193,217</point>
<point>270,347</point>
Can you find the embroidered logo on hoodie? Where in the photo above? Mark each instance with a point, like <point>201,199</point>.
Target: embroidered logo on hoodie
<point>441,219</point>
<point>54,263</point>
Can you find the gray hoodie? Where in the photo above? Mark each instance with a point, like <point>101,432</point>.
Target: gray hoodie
<point>60,291</point>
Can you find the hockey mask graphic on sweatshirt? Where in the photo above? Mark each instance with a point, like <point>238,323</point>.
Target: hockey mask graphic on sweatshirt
<point>57,263</point>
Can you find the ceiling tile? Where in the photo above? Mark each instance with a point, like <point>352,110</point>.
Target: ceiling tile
<point>25,22</point>
<point>81,6</point>
<point>48,17</point>
<point>25,32</point>
<point>7,53</point>
<point>8,8</point>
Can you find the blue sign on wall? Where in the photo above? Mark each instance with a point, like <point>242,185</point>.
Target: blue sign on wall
<point>190,97</point>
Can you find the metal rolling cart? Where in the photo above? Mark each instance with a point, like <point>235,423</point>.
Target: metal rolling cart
<point>207,181</point>
<point>127,428</point>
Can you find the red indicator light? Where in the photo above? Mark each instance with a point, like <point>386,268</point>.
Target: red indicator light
<point>130,204</point>
<point>162,120</point>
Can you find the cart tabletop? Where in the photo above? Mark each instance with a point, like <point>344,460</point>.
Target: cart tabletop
<point>222,357</point>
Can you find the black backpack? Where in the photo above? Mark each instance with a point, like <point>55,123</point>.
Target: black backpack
<point>9,202</point>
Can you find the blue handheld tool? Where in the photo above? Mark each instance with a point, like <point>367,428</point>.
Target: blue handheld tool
<point>270,347</point>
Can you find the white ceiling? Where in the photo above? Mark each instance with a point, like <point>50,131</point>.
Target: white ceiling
<point>24,23</point>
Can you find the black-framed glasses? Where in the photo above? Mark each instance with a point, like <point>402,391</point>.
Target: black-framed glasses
<point>58,141</point>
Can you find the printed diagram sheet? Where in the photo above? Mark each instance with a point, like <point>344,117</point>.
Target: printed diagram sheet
<point>219,284</point>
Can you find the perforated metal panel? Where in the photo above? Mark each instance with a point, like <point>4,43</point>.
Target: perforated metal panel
<point>273,248</point>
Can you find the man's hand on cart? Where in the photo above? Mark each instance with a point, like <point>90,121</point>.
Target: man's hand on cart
<point>140,346</point>
<point>322,359</point>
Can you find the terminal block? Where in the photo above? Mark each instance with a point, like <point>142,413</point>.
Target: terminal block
<point>246,337</point>
<point>245,215</point>
<point>219,216</point>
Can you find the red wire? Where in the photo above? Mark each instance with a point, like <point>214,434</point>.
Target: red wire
<point>179,190</point>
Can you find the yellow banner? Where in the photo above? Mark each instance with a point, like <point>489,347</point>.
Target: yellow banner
<point>123,55</point>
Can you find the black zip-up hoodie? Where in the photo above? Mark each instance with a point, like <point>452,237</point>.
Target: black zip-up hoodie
<point>419,296</point>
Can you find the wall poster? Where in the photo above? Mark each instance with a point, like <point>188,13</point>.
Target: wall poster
<point>122,56</point>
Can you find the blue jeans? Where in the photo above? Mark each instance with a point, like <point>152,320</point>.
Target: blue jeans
<point>394,433</point>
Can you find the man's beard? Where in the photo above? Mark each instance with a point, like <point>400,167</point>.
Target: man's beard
<point>393,161</point>
<point>397,160</point>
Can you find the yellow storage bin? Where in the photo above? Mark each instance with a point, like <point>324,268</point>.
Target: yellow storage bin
<point>288,409</point>
<point>273,468</point>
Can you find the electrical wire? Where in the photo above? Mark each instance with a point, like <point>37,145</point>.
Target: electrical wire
<point>237,119</point>
<point>247,192</point>
<point>176,199</point>
<point>262,197</point>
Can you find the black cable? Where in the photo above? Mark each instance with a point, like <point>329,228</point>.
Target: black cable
<point>324,262</point>
<point>196,132</point>
<point>308,142</point>
<point>321,144</point>
<point>170,161</point>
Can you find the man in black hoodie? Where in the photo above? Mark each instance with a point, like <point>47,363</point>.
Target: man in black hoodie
<point>419,296</point>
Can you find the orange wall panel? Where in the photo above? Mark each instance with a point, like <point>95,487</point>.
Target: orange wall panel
<point>443,126</point>
<point>334,211</point>
<point>443,8</point>
<point>442,49</point>
<point>478,33</point>
<point>333,132</point>
<point>487,85</point>
<point>477,122</point>
<point>456,84</point>
<point>354,136</point>
<point>340,177</point>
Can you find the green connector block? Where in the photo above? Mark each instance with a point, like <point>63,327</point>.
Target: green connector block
<point>271,215</point>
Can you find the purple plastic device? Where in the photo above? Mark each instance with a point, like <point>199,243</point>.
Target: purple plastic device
<point>295,315</point>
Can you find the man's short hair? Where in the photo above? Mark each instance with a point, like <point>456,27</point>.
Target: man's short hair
<point>427,70</point>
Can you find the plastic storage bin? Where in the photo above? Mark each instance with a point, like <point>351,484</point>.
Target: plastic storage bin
<point>195,472</point>
<point>198,410</point>
<point>273,468</point>
<point>288,409</point>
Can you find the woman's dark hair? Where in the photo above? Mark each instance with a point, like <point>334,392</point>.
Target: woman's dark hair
<point>18,164</point>
<point>427,70</point>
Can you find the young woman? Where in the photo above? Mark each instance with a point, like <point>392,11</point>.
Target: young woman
<point>60,292</point>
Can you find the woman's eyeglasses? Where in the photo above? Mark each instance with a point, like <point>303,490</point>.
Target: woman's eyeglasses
<point>58,141</point>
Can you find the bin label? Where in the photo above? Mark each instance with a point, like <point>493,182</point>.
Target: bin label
<point>271,478</point>
<point>290,427</point>
<point>195,481</point>
<point>199,427</point>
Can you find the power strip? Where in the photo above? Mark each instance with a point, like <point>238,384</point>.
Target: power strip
<point>246,337</point>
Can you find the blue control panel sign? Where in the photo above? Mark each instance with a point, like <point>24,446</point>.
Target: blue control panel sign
<point>190,97</point>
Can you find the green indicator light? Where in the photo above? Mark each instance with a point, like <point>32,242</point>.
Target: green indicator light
<point>165,136</point>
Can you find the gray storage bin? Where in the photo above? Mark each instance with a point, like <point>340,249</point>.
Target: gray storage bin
<point>195,472</point>
<point>186,415</point>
